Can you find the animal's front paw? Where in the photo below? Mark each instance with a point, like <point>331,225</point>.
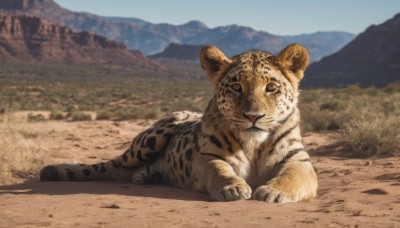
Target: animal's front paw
<point>271,195</point>
<point>236,191</point>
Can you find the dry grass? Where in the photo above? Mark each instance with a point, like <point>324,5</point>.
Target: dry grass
<point>373,135</point>
<point>20,156</point>
<point>368,118</point>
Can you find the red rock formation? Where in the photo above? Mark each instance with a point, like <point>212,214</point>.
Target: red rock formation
<point>32,39</point>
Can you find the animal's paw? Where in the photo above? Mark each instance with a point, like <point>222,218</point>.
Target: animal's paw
<point>236,191</point>
<point>139,178</point>
<point>271,195</point>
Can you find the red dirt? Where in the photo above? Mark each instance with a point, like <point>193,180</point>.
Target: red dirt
<point>352,191</point>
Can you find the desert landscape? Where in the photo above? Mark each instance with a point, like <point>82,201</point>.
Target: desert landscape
<point>352,192</point>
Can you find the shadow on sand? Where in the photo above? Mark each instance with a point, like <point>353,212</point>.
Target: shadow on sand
<point>103,188</point>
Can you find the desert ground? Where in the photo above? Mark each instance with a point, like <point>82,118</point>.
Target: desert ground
<point>353,192</point>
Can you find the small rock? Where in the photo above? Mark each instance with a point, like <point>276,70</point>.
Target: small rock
<point>368,163</point>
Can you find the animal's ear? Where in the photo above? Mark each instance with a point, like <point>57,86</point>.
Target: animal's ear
<point>214,62</point>
<point>293,60</point>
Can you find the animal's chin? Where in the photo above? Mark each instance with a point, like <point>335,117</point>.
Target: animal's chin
<point>255,133</point>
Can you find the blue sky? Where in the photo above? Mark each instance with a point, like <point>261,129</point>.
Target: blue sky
<point>284,17</point>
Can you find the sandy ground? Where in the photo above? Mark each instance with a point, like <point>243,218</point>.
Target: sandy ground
<point>352,192</point>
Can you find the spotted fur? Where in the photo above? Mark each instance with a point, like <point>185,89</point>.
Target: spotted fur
<point>246,145</point>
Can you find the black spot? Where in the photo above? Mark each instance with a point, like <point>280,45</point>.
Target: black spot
<point>160,131</point>
<point>132,152</point>
<point>188,154</point>
<point>214,140</point>
<point>71,175</point>
<point>49,173</point>
<point>86,172</point>
<point>151,142</point>
<point>170,125</point>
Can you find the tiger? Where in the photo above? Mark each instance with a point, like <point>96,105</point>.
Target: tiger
<point>246,145</point>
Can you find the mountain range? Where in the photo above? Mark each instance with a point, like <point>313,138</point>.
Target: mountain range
<point>31,39</point>
<point>152,38</point>
<point>371,59</point>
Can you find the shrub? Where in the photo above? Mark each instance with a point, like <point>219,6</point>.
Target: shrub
<point>56,115</point>
<point>128,114</point>
<point>104,115</point>
<point>80,116</point>
<point>31,118</point>
<point>373,135</point>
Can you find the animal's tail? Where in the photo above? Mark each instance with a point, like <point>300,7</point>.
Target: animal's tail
<point>82,172</point>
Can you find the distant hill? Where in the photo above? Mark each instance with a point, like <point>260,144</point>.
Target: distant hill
<point>32,39</point>
<point>154,38</point>
<point>371,59</point>
<point>180,51</point>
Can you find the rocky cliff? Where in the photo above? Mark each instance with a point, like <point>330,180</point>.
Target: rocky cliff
<point>32,39</point>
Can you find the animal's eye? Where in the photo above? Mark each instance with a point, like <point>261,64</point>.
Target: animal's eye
<point>236,87</point>
<point>271,87</point>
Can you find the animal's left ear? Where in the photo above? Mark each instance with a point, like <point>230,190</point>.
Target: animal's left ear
<point>294,59</point>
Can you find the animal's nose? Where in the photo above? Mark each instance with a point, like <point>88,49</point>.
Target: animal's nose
<point>253,117</point>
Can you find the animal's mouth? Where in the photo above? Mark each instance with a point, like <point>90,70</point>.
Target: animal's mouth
<point>253,129</point>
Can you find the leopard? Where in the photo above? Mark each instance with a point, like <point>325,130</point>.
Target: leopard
<point>246,145</point>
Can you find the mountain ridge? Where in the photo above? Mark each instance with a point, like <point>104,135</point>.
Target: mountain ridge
<point>371,59</point>
<point>154,38</point>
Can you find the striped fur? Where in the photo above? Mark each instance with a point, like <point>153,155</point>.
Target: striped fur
<point>246,145</point>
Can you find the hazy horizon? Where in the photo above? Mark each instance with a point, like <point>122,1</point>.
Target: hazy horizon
<point>292,18</point>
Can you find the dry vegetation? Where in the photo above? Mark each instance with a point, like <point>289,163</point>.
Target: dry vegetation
<point>20,156</point>
<point>368,119</point>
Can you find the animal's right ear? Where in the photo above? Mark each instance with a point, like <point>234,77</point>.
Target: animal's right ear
<point>214,62</point>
